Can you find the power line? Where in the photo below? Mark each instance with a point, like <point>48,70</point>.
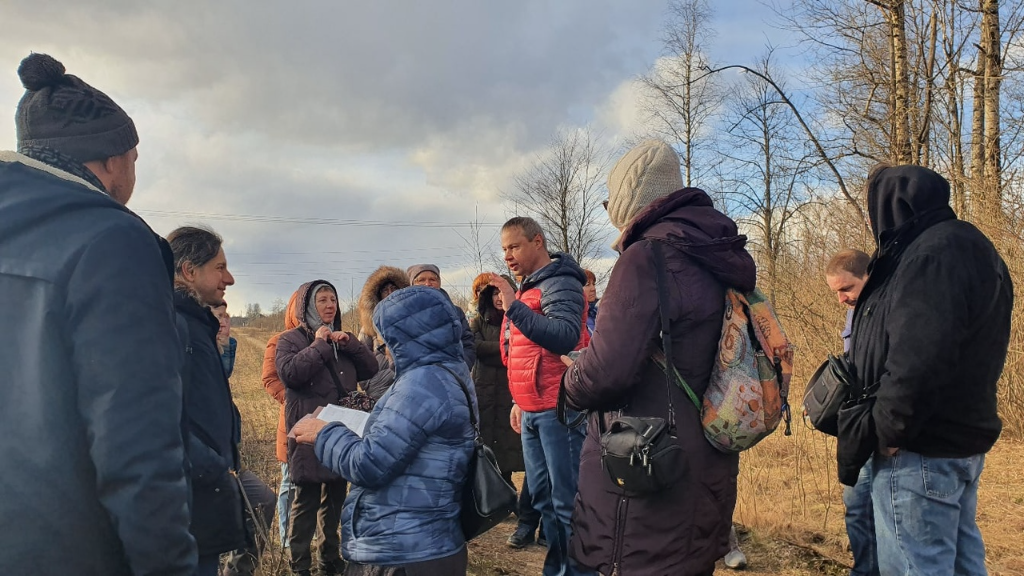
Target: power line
<point>312,221</point>
<point>380,251</point>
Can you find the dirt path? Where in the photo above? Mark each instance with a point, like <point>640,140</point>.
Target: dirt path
<point>490,556</point>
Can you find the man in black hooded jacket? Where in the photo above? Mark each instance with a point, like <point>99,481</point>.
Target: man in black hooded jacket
<point>930,336</point>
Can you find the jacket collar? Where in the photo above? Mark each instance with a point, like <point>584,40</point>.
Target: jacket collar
<point>14,157</point>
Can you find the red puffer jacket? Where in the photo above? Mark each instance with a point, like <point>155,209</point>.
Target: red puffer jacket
<point>547,320</point>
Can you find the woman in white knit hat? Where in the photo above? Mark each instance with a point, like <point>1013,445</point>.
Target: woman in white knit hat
<point>683,529</point>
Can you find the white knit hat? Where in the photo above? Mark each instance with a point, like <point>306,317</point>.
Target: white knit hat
<point>647,172</point>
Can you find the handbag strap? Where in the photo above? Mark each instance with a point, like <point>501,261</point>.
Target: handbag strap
<point>469,401</point>
<point>561,407</point>
<point>666,334</point>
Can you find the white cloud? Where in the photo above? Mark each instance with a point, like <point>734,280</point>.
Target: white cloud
<point>392,111</point>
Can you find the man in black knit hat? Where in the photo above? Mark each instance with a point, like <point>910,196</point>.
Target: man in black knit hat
<point>90,425</point>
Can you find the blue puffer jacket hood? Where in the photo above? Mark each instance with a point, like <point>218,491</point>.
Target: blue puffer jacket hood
<point>409,468</point>
<point>420,327</point>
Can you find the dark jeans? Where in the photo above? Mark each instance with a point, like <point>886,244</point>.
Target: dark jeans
<point>315,502</point>
<point>263,501</point>
<point>528,515</point>
<point>552,455</point>
<point>454,565</point>
<point>860,524</point>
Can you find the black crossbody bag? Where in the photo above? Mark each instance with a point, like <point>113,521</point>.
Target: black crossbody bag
<point>641,453</point>
<point>487,499</point>
<point>827,390</point>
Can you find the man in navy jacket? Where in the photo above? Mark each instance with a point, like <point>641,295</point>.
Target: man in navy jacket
<point>90,425</point>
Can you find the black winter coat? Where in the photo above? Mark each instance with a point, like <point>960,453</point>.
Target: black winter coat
<point>491,379</point>
<point>932,325</point>
<point>214,431</point>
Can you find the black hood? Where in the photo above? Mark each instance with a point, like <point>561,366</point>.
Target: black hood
<point>900,195</point>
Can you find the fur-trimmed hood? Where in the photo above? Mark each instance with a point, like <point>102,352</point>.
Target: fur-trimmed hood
<point>370,296</point>
<point>485,303</point>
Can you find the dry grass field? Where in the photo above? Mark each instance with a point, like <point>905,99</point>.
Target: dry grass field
<point>790,508</point>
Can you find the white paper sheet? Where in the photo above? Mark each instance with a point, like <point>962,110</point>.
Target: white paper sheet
<point>354,420</point>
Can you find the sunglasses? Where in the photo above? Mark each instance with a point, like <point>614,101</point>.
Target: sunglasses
<point>605,204</point>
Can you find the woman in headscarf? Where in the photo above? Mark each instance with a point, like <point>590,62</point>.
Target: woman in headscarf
<point>319,364</point>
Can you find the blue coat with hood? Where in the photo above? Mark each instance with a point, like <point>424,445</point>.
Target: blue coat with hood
<point>408,470</point>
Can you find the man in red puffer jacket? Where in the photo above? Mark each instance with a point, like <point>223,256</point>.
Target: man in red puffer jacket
<point>545,320</point>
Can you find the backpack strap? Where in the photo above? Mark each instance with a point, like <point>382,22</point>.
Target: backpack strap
<point>671,373</point>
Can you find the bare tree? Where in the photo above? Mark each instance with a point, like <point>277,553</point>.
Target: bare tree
<point>563,191</point>
<point>253,311</point>
<point>478,243</point>
<point>680,100</point>
<point>767,166</point>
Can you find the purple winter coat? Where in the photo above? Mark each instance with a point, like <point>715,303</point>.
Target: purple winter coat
<point>685,529</point>
<point>303,364</point>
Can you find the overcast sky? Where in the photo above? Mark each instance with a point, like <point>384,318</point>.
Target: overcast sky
<point>338,136</point>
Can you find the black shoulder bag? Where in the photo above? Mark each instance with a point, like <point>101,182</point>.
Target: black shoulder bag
<point>487,499</point>
<point>642,454</point>
<point>826,392</point>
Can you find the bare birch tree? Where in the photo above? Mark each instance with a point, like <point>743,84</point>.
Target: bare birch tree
<point>680,99</point>
<point>563,191</point>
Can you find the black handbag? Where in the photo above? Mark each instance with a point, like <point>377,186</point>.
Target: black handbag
<point>487,499</point>
<point>642,454</point>
<point>826,391</point>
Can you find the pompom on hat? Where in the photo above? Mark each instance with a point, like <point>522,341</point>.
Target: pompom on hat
<point>61,112</point>
<point>647,172</point>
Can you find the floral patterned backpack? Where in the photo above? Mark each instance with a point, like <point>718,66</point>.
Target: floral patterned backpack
<point>748,393</point>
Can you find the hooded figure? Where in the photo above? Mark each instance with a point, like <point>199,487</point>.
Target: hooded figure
<point>409,468</point>
<point>930,335</point>
<point>317,371</point>
<point>491,379</point>
<point>378,286</point>
<point>682,530</point>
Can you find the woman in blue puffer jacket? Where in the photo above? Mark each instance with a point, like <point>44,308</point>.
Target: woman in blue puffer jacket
<point>408,470</point>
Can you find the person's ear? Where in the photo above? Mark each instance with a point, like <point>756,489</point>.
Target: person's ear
<point>188,272</point>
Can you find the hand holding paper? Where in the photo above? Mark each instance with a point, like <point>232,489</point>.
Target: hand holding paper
<point>306,429</point>
<point>354,420</point>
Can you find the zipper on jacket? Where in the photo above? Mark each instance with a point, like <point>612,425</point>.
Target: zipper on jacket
<point>617,541</point>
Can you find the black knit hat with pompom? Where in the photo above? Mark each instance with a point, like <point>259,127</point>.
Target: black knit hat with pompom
<point>62,112</point>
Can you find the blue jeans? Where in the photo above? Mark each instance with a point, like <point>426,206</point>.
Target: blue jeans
<point>925,511</point>
<point>552,455</point>
<point>285,495</point>
<point>860,524</point>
